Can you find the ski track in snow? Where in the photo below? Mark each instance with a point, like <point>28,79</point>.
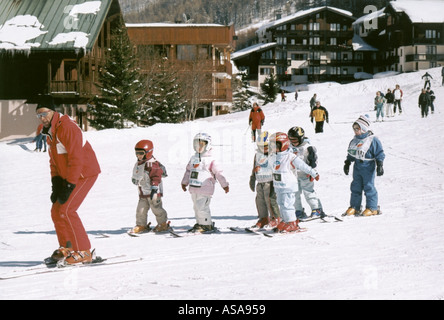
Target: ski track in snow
<point>397,255</point>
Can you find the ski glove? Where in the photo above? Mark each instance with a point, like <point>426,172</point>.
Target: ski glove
<point>65,191</point>
<point>313,178</point>
<point>347,164</point>
<point>252,182</point>
<point>379,168</point>
<point>153,195</point>
<point>57,183</point>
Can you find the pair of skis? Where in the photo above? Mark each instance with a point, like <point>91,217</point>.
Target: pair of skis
<point>52,267</point>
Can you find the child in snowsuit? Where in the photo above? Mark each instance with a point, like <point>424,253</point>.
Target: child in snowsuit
<point>301,147</point>
<point>285,182</point>
<point>366,151</point>
<point>147,176</point>
<point>320,114</point>
<point>256,121</point>
<point>262,173</point>
<point>200,175</point>
<point>379,105</point>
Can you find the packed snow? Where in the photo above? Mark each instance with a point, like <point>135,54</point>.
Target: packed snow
<point>396,255</point>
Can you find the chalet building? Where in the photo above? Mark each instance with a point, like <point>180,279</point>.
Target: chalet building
<point>409,34</point>
<point>51,47</point>
<point>309,46</point>
<point>203,48</point>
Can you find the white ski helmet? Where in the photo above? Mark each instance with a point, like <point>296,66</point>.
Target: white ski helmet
<point>202,137</point>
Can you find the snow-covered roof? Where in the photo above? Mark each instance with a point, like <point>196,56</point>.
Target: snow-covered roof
<point>302,13</point>
<point>254,48</point>
<point>172,25</point>
<point>424,11</point>
<point>360,45</point>
<point>51,25</point>
<point>373,15</point>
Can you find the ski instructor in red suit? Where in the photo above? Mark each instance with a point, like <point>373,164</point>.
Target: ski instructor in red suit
<point>74,170</point>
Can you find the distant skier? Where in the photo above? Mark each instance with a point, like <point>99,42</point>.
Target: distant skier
<point>285,182</point>
<point>366,151</point>
<point>432,100</point>
<point>313,101</point>
<point>379,105</point>
<point>390,98</point>
<point>442,75</point>
<point>427,77</point>
<point>256,121</point>
<point>262,173</point>
<point>147,176</point>
<point>397,93</point>
<point>423,103</point>
<point>301,147</point>
<point>283,95</point>
<point>200,175</point>
<point>319,114</point>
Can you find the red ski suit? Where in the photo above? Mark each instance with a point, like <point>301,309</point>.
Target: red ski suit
<point>257,117</point>
<point>73,159</point>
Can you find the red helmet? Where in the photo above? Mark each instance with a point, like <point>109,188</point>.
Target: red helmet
<point>279,142</point>
<point>147,146</point>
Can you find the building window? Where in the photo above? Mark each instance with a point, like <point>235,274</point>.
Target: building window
<point>432,34</point>
<point>314,26</point>
<point>333,41</point>
<point>335,27</point>
<point>315,41</point>
<point>431,50</point>
<point>186,52</point>
<point>266,71</point>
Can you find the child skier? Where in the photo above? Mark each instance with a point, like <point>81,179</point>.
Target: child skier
<point>267,207</point>
<point>201,174</point>
<point>147,175</point>
<point>366,151</point>
<point>285,182</point>
<point>301,147</point>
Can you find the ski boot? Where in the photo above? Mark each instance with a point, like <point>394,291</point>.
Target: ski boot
<point>162,227</point>
<point>140,229</point>
<point>369,212</point>
<point>351,212</point>
<point>317,213</point>
<point>262,222</point>
<point>202,228</point>
<point>285,227</point>
<point>79,257</point>
<point>58,255</point>
<point>301,214</point>
<point>273,222</point>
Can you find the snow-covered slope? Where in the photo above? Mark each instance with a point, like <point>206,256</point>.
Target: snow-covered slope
<point>398,255</point>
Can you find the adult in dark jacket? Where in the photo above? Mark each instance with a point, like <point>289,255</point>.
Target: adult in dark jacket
<point>390,99</point>
<point>423,103</point>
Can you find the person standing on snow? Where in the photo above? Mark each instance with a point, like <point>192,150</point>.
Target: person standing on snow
<point>366,151</point>
<point>389,103</point>
<point>397,93</point>
<point>313,101</point>
<point>301,147</point>
<point>74,170</point>
<point>256,121</point>
<point>432,100</point>
<point>147,175</point>
<point>423,103</point>
<point>427,79</point>
<point>284,163</point>
<point>200,175</point>
<point>379,104</point>
<point>39,139</point>
<point>319,114</point>
<point>262,173</point>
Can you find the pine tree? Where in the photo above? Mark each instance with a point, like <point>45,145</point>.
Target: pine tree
<point>270,89</point>
<point>241,93</point>
<point>119,83</point>
<point>164,100</point>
